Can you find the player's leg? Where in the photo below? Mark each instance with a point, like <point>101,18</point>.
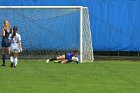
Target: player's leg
<point>8,50</point>
<point>5,44</point>
<point>15,59</point>
<point>16,51</point>
<point>61,57</point>
<point>56,58</point>
<point>11,59</point>
<point>64,61</point>
<point>3,56</point>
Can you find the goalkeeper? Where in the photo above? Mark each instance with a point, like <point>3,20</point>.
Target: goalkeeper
<point>68,57</point>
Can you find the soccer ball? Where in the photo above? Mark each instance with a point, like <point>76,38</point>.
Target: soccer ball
<point>75,58</point>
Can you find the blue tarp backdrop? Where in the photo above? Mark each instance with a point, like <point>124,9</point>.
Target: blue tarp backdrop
<point>114,23</point>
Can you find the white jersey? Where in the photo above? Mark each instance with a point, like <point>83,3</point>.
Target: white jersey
<point>14,47</point>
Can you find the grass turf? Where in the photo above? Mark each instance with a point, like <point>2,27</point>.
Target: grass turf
<point>101,76</point>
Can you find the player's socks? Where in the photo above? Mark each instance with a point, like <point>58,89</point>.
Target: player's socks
<point>12,61</point>
<point>53,59</point>
<point>59,61</point>
<point>48,60</point>
<point>15,62</point>
<point>3,60</point>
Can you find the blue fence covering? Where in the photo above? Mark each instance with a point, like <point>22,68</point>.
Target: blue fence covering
<point>114,23</point>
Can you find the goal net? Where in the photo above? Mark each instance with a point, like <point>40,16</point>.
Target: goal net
<point>51,31</point>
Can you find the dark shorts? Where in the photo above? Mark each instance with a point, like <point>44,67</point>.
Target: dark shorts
<point>5,43</point>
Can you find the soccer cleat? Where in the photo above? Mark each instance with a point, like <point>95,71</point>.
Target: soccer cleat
<point>47,61</point>
<point>59,61</point>
<point>12,64</point>
<point>77,62</point>
<point>3,65</point>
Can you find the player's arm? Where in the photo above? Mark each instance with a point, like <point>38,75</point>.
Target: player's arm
<point>10,39</point>
<point>20,45</point>
<point>3,32</point>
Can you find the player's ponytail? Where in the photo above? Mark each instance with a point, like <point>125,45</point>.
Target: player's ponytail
<point>14,32</point>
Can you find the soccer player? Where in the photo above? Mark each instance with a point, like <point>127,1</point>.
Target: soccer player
<point>6,31</point>
<point>15,46</point>
<point>65,58</point>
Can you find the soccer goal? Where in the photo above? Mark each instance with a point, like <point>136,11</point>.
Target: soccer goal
<point>49,31</point>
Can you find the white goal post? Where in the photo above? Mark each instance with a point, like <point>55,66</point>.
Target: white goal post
<point>86,53</point>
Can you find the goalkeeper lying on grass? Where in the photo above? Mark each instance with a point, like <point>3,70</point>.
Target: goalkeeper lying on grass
<point>68,57</point>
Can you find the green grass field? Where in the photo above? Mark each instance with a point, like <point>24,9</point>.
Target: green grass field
<point>101,76</point>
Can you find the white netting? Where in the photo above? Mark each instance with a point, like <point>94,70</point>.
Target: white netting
<point>86,37</point>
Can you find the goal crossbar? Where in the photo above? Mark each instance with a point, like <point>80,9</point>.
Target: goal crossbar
<point>71,7</point>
